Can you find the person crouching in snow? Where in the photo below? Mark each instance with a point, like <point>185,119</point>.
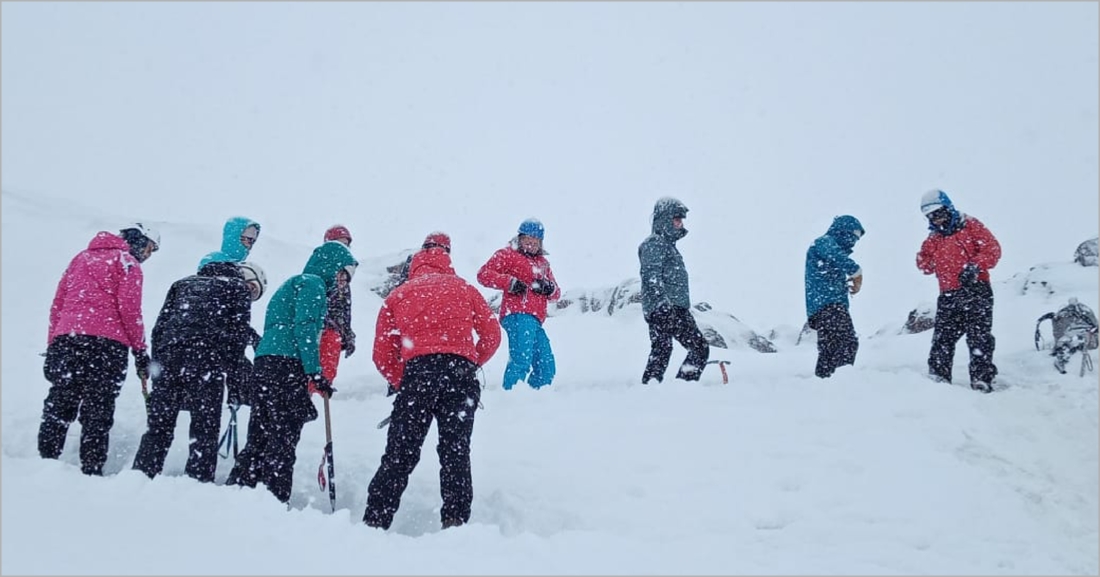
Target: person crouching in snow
<point>523,273</point>
<point>829,270</point>
<point>424,347</point>
<point>288,358</point>
<point>337,336</point>
<point>198,342</point>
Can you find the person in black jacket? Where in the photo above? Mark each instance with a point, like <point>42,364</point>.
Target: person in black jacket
<point>199,340</point>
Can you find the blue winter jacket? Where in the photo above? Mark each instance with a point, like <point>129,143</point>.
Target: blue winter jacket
<point>828,266</point>
<point>664,277</point>
<point>233,250</point>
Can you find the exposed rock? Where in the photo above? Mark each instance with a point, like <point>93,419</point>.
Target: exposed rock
<point>1087,254</point>
<point>920,319</point>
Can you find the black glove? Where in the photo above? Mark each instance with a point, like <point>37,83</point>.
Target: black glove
<point>141,363</point>
<point>323,385</point>
<point>517,287</point>
<point>543,287</point>
<point>349,346</point>
<point>968,277</point>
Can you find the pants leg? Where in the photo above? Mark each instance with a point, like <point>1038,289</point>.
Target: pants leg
<point>543,367</point>
<point>411,419</point>
<point>521,345</point>
<point>164,408</point>
<point>660,346</point>
<point>246,469</point>
<point>837,343</point>
<point>948,329</point>
<point>979,334</point>
<point>202,459</point>
<point>97,416</point>
<point>689,336</point>
<point>455,422</point>
<point>59,410</point>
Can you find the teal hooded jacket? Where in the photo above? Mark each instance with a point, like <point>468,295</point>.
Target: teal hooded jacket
<point>233,250</point>
<point>296,313</point>
<point>828,265</point>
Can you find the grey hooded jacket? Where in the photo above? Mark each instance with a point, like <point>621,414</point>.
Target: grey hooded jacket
<point>664,278</point>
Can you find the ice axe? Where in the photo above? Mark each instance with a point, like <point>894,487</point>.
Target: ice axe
<point>327,457</point>
<point>722,367</point>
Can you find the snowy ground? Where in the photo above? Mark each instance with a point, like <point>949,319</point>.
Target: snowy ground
<point>875,471</point>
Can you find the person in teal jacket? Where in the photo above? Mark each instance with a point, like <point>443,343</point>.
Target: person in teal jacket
<point>288,360</point>
<point>831,275</point>
<point>238,237</point>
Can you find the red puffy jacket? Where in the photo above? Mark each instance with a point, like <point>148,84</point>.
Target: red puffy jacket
<point>508,263</point>
<point>434,312</point>
<point>100,294</point>
<point>945,256</point>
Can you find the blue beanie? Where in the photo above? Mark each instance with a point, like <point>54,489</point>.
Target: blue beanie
<point>532,227</point>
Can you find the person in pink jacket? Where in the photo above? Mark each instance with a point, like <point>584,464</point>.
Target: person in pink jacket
<point>95,321</point>
<point>523,273</point>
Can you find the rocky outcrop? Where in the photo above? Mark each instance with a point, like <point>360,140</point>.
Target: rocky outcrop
<point>1087,254</point>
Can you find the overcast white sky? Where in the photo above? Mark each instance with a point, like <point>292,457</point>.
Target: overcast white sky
<point>766,119</point>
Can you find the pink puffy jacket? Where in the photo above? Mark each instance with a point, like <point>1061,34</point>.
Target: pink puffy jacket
<point>100,294</point>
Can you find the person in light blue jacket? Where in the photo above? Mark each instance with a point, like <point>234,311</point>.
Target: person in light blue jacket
<point>831,275</point>
<point>238,237</point>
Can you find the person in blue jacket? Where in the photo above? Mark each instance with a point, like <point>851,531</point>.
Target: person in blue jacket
<point>831,275</point>
<point>238,237</point>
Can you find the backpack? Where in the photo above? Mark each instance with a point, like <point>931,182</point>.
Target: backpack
<point>1072,320</point>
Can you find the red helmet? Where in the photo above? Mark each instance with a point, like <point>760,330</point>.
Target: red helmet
<point>337,232</point>
<point>437,239</point>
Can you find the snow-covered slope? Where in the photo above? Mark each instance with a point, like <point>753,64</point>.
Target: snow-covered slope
<point>877,470</point>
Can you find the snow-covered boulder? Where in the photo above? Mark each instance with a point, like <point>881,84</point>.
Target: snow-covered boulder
<point>1087,254</point>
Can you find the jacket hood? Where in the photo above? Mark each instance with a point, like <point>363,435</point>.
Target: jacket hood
<point>327,259</point>
<point>846,230</point>
<point>663,212</point>
<point>104,240</point>
<point>430,261</point>
<point>232,247</point>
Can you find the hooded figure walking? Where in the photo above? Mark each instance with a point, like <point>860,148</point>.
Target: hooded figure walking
<point>666,302</point>
<point>831,275</point>
<point>960,250</point>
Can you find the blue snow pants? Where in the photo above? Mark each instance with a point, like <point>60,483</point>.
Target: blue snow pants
<point>529,354</point>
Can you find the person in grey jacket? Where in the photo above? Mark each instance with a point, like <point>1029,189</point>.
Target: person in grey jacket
<point>666,301</point>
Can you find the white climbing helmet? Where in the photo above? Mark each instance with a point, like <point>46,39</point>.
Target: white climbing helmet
<point>254,276</point>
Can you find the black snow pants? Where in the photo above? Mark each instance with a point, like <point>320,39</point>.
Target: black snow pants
<point>837,343</point>
<point>678,323</point>
<point>966,311</point>
<point>86,375</point>
<point>190,379</point>
<point>280,408</point>
<point>443,387</point>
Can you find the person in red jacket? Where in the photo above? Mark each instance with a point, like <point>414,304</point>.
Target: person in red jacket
<point>425,349</point>
<point>95,320</point>
<point>523,273</point>
<point>337,336</point>
<point>960,250</point>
